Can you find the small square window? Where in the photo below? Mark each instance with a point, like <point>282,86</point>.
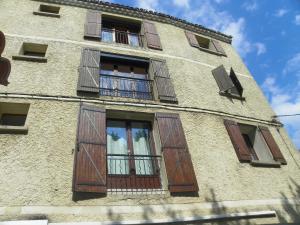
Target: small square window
<point>48,10</point>
<point>32,52</point>
<point>13,117</point>
<point>203,42</point>
<point>258,148</point>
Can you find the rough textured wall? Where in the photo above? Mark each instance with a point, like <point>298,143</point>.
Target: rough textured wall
<point>39,166</point>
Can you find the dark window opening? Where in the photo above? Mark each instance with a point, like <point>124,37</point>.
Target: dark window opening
<point>121,31</point>
<point>125,78</point>
<point>33,49</point>
<point>203,42</point>
<point>12,120</point>
<point>49,9</point>
<point>131,158</point>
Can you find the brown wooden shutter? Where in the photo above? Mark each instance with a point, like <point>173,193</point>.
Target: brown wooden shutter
<point>5,66</point>
<point>238,141</point>
<point>218,47</point>
<point>179,167</point>
<point>90,156</point>
<point>277,155</point>
<point>92,28</point>
<point>152,37</point>
<point>165,89</point>
<point>89,69</point>
<point>223,80</point>
<point>192,39</point>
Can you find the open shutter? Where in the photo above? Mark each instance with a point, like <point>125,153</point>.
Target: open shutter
<point>152,37</point>
<point>92,28</point>
<point>236,82</point>
<point>90,156</point>
<point>192,39</point>
<point>89,71</point>
<point>5,65</point>
<point>218,47</point>
<point>223,80</point>
<point>238,141</point>
<point>165,89</point>
<point>179,167</point>
<point>277,155</point>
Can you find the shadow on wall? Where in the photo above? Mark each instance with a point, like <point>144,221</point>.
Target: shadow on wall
<point>291,210</point>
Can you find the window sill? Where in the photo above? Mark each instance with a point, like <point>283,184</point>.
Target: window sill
<point>210,51</point>
<point>229,95</point>
<point>46,14</point>
<point>30,58</point>
<point>13,129</point>
<point>257,163</point>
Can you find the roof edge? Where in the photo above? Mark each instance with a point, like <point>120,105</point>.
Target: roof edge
<point>143,14</point>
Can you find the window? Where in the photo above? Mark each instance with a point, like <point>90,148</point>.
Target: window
<point>32,52</point>
<point>229,86</point>
<point>205,44</point>
<point>113,29</point>
<point>131,155</point>
<point>254,144</point>
<point>48,10</point>
<point>13,117</point>
<point>119,151</point>
<point>125,78</point>
<point>121,31</point>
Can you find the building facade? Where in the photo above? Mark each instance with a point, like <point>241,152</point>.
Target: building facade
<point>115,114</point>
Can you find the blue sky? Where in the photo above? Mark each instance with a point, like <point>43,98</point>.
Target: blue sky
<point>266,33</point>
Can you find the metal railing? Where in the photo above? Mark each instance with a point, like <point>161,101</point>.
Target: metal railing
<point>128,87</point>
<point>133,173</point>
<point>123,37</point>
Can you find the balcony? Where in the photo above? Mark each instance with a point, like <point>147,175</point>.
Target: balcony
<point>123,37</point>
<point>128,87</point>
<point>133,173</point>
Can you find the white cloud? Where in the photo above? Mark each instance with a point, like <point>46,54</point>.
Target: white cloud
<point>250,6</point>
<point>261,48</point>
<point>148,4</point>
<point>281,12</point>
<point>182,3</point>
<point>293,65</point>
<point>297,19</point>
<point>285,101</point>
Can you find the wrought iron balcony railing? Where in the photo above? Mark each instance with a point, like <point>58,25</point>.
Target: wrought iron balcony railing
<point>133,172</point>
<point>129,87</point>
<point>123,37</point>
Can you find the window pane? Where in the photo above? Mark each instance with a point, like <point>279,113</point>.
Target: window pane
<point>107,36</point>
<point>117,144</point>
<point>13,120</point>
<point>141,146</point>
<point>134,40</point>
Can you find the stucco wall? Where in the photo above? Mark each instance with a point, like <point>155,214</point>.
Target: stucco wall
<point>36,168</point>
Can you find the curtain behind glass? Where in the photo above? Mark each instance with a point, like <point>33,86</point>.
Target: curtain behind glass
<point>141,146</point>
<point>117,144</point>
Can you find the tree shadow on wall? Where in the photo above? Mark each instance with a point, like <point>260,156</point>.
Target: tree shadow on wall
<point>291,207</point>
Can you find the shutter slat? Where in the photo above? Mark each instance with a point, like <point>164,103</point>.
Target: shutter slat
<point>151,35</point>
<point>218,47</point>
<point>89,78</point>
<point>92,28</point>
<point>238,141</point>
<point>223,80</point>
<point>236,82</point>
<point>192,39</point>
<point>90,157</point>
<point>160,74</point>
<point>277,155</point>
<point>179,166</point>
